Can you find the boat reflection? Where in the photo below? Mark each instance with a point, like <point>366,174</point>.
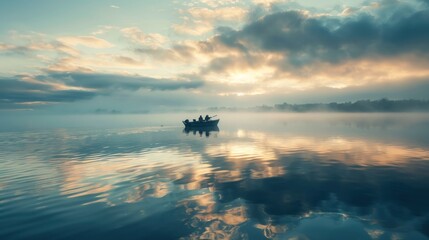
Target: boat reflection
<point>206,131</point>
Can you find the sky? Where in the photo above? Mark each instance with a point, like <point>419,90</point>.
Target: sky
<point>156,55</point>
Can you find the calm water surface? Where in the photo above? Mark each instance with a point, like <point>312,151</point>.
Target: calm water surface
<point>261,176</point>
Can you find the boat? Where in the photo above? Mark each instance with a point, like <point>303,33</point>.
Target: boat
<point>201,124</point>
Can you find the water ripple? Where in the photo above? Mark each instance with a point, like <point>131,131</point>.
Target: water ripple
<point>246,182</point>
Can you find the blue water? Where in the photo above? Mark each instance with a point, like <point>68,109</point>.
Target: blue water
<point>261,176</point>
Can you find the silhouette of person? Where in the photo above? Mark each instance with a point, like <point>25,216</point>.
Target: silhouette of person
<point>200,119</point>
<point>207,118</point>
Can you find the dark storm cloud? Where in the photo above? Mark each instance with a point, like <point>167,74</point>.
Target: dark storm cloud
<point>304,39</point>
<point>18,93</point>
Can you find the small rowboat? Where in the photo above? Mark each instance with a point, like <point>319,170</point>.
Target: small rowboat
<point>201,124</point>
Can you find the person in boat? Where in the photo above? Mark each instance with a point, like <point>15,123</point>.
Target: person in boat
<point>200,119</point>
<point>207,118</point>
<point>187,121</point>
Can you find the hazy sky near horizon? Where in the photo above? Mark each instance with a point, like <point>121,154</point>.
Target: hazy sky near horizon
<point>131,55</point>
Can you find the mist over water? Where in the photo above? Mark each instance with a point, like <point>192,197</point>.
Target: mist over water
<point>261,176</point>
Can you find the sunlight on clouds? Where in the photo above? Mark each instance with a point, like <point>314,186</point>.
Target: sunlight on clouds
<point>36,103</point>
<point>197,20</point>
<point>246,76</point>
<point>4,46</point>
<point>218,3</point>
<point>107,63</point>
<point>69,64</point>
<point>58,86</point>
<point>268,3</point>
<point>239,52</point>
<point>193,27</point>
<point>219,14</point>
<point>152,40</point>
<point>348,151</point>
<point>86,41</point>
<point>242,94</point>
<point>103,29</point>
<point>370,71</point>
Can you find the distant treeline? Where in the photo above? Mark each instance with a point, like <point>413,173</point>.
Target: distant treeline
<point>382,105</point>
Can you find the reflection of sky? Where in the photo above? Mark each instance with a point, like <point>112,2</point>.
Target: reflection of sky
<point>247,182</point>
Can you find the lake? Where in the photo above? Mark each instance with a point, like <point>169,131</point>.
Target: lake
<point>260,176</point>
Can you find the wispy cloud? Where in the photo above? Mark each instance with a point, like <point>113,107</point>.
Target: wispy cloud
<point>86,41</point>
<point>136,35</point>
<point>201,19</point>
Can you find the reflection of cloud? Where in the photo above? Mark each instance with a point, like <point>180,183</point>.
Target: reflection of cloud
<point>219,225</point>
<point>234,216</point>
<point>96,177</point>
<point>238,152</point>
<point>271,230</point>
<point>304,184</point>
<point>320,179</point>
<point>154,190</point>
<point>241,154</point>
<point>347,151</point>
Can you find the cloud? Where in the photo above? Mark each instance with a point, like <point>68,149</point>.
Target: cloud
<point>106,82</point>
<point>199,20</point>
<point>136,35</point>
<point>19,92</point>
<point>103,29</point>
<point>86,41</point>
<point>54,87</point>
<point>28,44</point>
<point>273,53</point>
<point>268,3</point>
<point>305,39</point>
<point>114,6</point>
<point>231,13</point>
<point>218,3</point>
<point>309,51</point>
<point>4,46</point>
<point>194,27</point>
<point>127,60</point>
